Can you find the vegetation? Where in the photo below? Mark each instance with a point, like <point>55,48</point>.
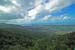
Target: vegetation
<point>20,39</point>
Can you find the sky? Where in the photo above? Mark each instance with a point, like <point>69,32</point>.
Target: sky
<point>28,12</point>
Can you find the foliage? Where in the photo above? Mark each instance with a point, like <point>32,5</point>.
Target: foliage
<point>20,39</point>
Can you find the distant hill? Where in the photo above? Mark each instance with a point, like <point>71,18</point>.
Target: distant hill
<point>52,28</point>
<point>39,28</point>
<point>19,29</point>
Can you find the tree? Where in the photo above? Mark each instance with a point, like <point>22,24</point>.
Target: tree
<point>71,40</point>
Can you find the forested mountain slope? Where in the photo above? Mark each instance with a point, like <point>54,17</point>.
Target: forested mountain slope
<point>13,37</point>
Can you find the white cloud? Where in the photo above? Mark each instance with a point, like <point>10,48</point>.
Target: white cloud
<point>38,2</point>
<point>66,17</point>
<point>57,4</point>
<point>32,14</point>
<point>7,9</point>
<point>46,18</point>
<point>16,21</point>
<point>61,18</point>
<point>15,3</point>
<point>21,20</point>
<point>38,7</point>
<point>56,18</point>
<point>29,19</point>
<point>35,11</point>
<point>51,6</point>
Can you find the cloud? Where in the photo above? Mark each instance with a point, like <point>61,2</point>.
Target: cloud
<point>3,21</point>
<point>32,13</point>
<point>7,9</point>
<point>57,4</point>
<point>51,6</point>
<point>15,3</point>
<point>4,9</point>
<point>31,10</point>
<point>46,18</point>
<point>16,21</point>
<point>35,11</point>
<point>65,18</point>
<point>27,19</point>
<point>38,2</point>
<point>56,18</point>
<point>21,20</point>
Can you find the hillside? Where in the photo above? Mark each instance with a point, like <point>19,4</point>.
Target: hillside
<point>15,37</point>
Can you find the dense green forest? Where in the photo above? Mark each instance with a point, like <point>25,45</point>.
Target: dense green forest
<point>20,39</point>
